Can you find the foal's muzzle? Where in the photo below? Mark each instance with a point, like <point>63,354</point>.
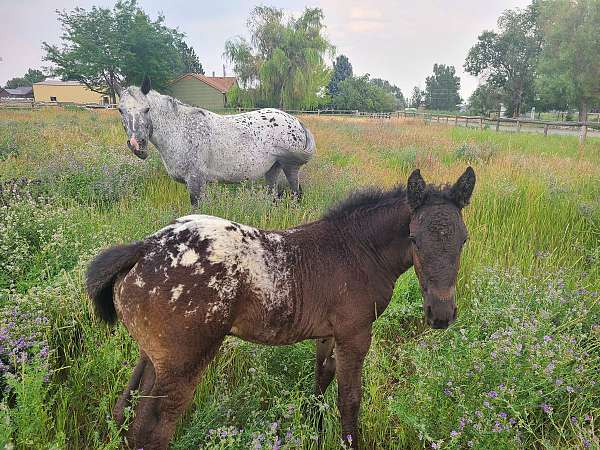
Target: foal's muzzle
<point>440,313</point>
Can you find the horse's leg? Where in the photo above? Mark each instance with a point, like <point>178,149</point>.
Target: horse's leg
<point>172,391</point>
<point>195,185</point>
<point>291,173</point>
<point>134,383</point>
<point>271,178</point>
<point>324,373</point>
<point>350,352</point>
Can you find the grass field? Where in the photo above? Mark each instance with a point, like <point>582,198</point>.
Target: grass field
<point>519,369</point>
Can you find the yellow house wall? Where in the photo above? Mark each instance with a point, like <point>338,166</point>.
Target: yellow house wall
<point>71,94</point>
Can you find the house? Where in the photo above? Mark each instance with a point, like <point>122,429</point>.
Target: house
<point>199,90</point>
<point>67,92</point>
<point>18,92</point>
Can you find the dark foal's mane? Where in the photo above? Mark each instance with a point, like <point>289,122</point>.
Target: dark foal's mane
<point>372,198</point>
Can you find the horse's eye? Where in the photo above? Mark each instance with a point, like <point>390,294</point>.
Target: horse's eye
<point>120,110</point>
<point>146,109</point>
<point>412,239</point>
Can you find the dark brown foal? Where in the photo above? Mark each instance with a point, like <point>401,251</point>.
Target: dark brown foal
<point>182,290</point>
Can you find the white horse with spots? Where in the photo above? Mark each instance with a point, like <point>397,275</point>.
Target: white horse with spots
<point>198,146</point>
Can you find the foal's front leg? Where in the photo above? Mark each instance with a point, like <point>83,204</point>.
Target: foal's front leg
<point>350,354</point>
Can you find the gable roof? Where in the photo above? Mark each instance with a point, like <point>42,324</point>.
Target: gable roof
<point>222,84</point>
<point>50,82</point>
<point>21,90</point>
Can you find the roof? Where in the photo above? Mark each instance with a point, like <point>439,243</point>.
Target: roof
<point>60,83</point>
<point>21,90</point>
<point>222,84</point>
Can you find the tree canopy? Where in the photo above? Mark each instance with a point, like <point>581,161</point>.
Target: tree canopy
<point>416,97</point>
<point>102,47</point>
<point>360,93</point>
<point>283,64</point>
<point>508,58</point>
<point>342,69</point>
<point>569,64</point>
<point>441,88</point>
<point>392,89</point>
<point>32,76</point>
<point>485,98</point>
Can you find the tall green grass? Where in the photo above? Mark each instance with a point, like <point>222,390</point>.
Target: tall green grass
<point>529,271</point>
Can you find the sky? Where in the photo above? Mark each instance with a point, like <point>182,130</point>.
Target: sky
<point>395,40</point>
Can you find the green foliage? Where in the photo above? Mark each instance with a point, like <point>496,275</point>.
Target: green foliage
<point>189,60</point>
<point>392,89</point>
<point>569,72</point>
<point>285,59</point>
<point>471,152</point>
<point>358,93</point>
<point>416,97</point>
<point>441,89</point>
<point>342,69</point>
<point>508,58</point>
<point>484,99</point>
<point>32,76</point>
<point>104,47</point>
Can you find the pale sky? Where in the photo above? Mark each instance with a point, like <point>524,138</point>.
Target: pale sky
<point>395,40</point>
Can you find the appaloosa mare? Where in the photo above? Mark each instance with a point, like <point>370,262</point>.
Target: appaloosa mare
<point>183,289</point>
<point>198,146</point>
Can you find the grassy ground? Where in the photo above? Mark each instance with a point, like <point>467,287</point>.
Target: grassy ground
<point>519,369</point>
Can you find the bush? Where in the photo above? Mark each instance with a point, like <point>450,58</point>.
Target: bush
<point>470,152</point>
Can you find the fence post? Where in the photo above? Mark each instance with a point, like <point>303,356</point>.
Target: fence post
<point>518,126</point>
<point>455,121</point>
<point>480,122</point>
<point>466,121</point>
<point>498,123</point>
<point>546,130</point>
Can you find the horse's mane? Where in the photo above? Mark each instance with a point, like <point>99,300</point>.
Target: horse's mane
<point>370,198</point>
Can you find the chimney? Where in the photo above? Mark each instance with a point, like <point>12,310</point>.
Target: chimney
<point>224,74</point>
<point>213,73</point>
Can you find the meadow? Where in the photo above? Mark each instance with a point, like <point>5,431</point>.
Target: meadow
<point>519,368</point>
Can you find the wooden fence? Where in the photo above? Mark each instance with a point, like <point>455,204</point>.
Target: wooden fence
<point>482,122</point>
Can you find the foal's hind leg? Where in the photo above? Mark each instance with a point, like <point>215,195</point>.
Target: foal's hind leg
<point>172,391</point>
<point>291,173</point>
<point>271,177</point>
<point>125,397</point>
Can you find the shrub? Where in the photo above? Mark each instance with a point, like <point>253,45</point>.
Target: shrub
<point>471,152</point>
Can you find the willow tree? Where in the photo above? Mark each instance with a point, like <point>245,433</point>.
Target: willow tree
<point>283,64</point>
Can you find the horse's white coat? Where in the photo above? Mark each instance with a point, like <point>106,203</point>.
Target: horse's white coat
<point>197,145</point>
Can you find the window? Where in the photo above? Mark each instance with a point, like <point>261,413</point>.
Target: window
<point>105,100</point>
<point>52,99</point>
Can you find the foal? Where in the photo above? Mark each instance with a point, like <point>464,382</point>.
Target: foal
<point>183,289</point>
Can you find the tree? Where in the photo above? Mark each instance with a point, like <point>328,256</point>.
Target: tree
<point>32,76</point>
<point>103,48</point>
<point>360,94</point>
<point>392,89</point>
<point>189,60</point>
<point>569,65</point>
<point>342,69</point>
<point>441,89</point>
<point>416,97</point>
<point>508,58</point>
<point>283,64</point>
<point>484,99</point>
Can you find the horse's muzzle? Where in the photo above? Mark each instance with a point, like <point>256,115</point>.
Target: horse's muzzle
<point>140,149</point>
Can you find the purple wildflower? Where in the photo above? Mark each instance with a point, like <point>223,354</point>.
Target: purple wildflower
<point>547,408</point>
<point>454,433</point>
<point>503,415</point>
<point>435,445</point>
<point>573,419</point>
<point>492,394</point>
<point>547,338</point>
<point>277,444</point>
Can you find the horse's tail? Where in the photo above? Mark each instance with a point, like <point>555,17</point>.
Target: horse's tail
<point>103,271</point>
<point>311,145</point>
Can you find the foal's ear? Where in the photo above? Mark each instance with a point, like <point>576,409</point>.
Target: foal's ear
<point>146,85</point>
<point>463,188</point>
<point>415,190</point>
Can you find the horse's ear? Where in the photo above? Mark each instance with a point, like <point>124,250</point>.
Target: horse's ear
<point>463,188</point>
<point>146,85</point>
<point>415,190</point>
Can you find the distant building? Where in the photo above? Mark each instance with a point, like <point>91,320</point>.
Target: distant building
<point>18,92</point>
<point>202,91</point>
<point>67,92</point>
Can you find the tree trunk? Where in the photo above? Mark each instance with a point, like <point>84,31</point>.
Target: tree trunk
<point>583,110</point>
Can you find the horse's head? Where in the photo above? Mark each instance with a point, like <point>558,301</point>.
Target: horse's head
<point>438,233</point>
<point>135,112</point>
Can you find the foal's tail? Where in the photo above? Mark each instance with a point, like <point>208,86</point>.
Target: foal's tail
<point>103,271</point>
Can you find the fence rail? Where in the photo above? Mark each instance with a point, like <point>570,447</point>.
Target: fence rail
<point>482,121</point>
<point>477,121</point>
